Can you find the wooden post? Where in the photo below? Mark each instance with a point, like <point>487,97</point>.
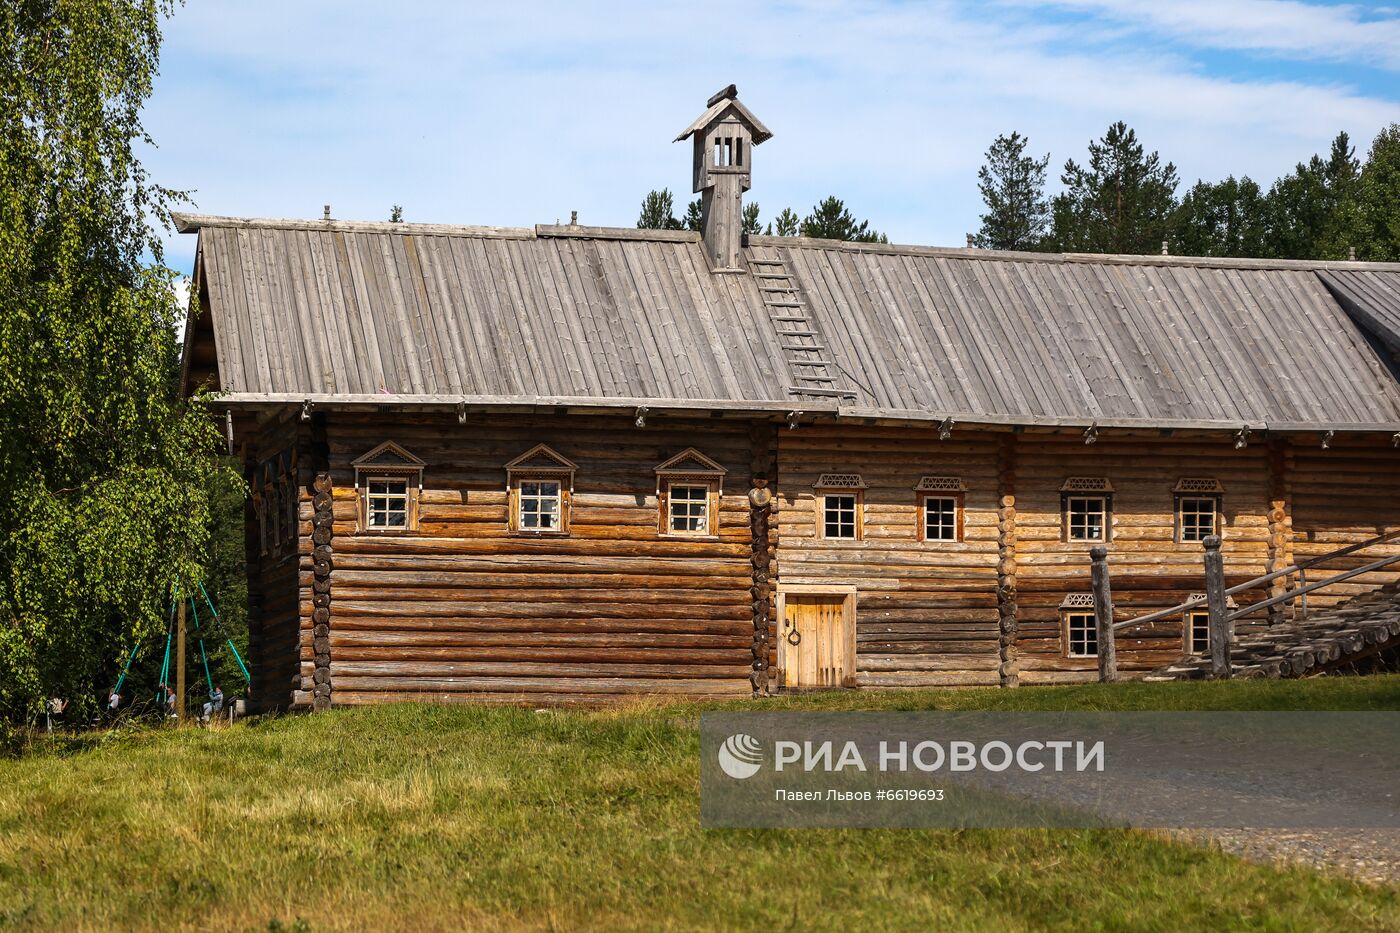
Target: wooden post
<point>180,663</point>
<point>1007,612</point>
<point>1103,615</point>
<point>1219,611</point>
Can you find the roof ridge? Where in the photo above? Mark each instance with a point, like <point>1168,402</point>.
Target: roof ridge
<point>1130,259</point>
<point>192,223</point>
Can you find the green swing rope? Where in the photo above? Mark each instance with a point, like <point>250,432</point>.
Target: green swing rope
<point>203,656</point>
<point>165,665</point>
<point>131,657</point>
<point>231,646</point>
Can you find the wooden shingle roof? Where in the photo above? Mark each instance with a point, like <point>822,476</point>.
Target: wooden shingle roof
<point>329,310</point>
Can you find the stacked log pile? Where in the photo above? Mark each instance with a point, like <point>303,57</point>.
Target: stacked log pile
<point>1358,634</point>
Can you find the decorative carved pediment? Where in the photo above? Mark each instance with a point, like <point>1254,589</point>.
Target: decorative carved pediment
<point>541,459</point>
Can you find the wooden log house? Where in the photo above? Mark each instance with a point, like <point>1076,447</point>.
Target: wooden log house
<point>566,463</point>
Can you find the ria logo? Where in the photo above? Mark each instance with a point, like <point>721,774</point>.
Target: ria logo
<point>741,756</point>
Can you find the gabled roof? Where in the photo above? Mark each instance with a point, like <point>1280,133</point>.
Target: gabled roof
<point>430,315</point>
<point>721,105</point>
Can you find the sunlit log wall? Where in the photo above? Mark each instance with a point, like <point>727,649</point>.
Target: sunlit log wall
<point>464,609</point>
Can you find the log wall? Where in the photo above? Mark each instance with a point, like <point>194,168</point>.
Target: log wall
<point>464,609</point>
<point>1149,569</point>
<point>926,612</point>
<point>1340,496</point>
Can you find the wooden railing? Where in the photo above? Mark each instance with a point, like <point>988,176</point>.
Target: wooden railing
<point>1217,596</point>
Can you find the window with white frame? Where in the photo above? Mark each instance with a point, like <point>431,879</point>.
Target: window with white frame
<point>388,481</point>
<point>840,516</point>
<point>1198,513</point>
<point>687,493</point>
<point>540,504</point>
<point>940,508</point>
<point>688,508</point>
<point>1087,508</point>
<point>386,505</point>
<point>540,482</point>
<point>1086,518</point>
<point>840,503</point>
<point>1081,634</point>
<point>942,518</point>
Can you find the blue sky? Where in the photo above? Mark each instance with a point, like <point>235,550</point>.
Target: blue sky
<point>517,113</point>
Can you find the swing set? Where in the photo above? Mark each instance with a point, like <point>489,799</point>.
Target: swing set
<point>163,695</point>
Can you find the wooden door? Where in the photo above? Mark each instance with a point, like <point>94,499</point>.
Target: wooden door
<point>817,643</point>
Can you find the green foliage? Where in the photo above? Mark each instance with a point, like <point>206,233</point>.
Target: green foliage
<point>786,224</point>
<point>751,224</point>
<point>830,220</point>
<point>694,214</point>
<point>1314,211</point>
<point>1013,188</point>
<point>1227,218</point>
<point>1379,198</point>
<point>396,214</point>
<point>658,211</point>
<point>1121,203</point>
<point>104,471</point>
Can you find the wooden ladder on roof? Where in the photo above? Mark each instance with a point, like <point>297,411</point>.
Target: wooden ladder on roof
<point>809,360</point>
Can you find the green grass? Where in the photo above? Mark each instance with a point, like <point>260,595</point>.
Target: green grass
<point>444,817</point>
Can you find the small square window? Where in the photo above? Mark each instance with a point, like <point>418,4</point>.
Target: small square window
<point>1081,635</point>
<point>1086,518</point>
<point>1197,517</point>
<point>539,505</point>
<point>942,518</point>
<point>688,509</point>
<point>386,504</point>
<point>841,516</point>
<point>1197,632</point>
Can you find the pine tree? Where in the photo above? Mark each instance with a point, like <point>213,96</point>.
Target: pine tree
<point>785,224</point>
<point>1379,198</point>
<point>1121,203</point>
<point>396,214</point>
<point>1013,188</point>
<point>830,220</point>
<point>694,214</point>
<point>1315,212</point>
<point>658,211</point>
<point>1226,218</point>
<point>751,224</point>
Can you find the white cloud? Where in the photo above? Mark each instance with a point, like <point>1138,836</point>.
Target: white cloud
<point>516,114</point>
<point>1308,31</point>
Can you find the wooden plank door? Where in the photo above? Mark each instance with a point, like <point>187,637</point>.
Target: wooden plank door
<point>817,641</point>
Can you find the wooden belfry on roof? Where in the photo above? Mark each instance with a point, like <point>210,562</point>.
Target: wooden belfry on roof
<point>569,463</point>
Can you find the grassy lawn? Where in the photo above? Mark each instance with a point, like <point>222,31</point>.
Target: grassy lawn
<point>443,817</point>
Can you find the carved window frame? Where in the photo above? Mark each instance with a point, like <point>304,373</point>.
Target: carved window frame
<point>689,468</point>
<point>943,488</point>
<point>840,485</point>
<point>1088,489</point>
<point>1077,619</point>
<point>407,469</point>
<point>1197,489</point>
<point>521,470</point>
